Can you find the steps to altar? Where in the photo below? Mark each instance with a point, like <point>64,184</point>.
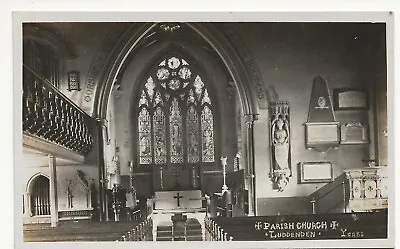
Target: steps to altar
<point>181,230</point>
<point>178,216</point>
<point>164,232</point>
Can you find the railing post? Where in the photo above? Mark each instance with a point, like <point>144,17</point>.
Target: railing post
<point>313,205</point>
<point>212,230</point>
<point>134,235</point>
<point>344,196</point>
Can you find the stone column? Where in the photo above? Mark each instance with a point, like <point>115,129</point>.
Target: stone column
<point>249,120</point>
<point>102,141</point>
<point>27,202</point>
<point>53,191</point>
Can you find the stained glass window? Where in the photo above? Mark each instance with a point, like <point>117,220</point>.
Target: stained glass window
<point>192,127</point>
<point>208,134</point>
<point>144,137</point>
<point>175,115</point>
<point>175,133</point>
<point>160,154</point>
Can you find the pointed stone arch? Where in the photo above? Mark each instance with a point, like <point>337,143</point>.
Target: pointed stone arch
<point>248,96</point>
<point>29,193</point>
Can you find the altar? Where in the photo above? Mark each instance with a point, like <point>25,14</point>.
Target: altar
<point>169,203</point>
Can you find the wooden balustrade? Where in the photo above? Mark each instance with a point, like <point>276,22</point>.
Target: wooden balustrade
<point>48,114</point>
<point>141,232</point>
<point>214,232</point>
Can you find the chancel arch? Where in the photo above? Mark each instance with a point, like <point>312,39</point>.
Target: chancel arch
<point>222,51</point>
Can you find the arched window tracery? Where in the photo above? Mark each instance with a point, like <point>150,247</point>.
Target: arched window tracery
<point>175,115</point>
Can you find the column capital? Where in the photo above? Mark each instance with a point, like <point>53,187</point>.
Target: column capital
<point>51,156</point>
<point>250,118</point>
<point>101,121</point>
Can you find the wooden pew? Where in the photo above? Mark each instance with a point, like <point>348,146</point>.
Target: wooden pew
<point>298,227</point>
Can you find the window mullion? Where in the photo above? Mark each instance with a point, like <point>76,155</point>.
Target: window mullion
<point>184,133</point>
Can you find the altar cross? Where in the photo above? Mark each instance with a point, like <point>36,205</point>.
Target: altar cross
<point>177,197</point>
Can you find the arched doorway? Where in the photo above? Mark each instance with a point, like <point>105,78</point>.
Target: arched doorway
<point>40,196</point>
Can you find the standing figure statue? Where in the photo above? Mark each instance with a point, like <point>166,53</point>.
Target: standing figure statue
<point>280,132</point>
<point>280,145</point>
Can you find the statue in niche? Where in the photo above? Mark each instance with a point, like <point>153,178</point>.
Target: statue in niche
<point>280,138</point>
<point>280,133</point>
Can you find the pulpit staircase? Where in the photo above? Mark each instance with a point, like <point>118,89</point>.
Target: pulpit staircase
<point>356,190</point>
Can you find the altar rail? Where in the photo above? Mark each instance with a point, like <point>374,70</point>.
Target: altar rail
<point>51,116</point>
<point>214,232</point>
<point>370,225</point>
<point>141,232</point>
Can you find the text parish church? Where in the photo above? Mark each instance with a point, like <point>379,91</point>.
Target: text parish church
<point>203,131</point>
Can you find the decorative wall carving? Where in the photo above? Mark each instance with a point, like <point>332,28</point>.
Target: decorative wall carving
<point>78,192</point>
<point>249,63</point>
<point>100,60</point>
<point>280,144</point>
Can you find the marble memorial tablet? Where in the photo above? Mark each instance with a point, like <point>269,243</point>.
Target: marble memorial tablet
<point>350,99</point>
<point>322,133</point>
<point>354,133</point>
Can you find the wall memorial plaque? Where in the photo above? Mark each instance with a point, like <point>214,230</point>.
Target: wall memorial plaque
<point>316,172</point>
<point>354,133</point>
<point>350,99</point>
<point>322,133</point>
<point>322,129</point>
<point>306,227</point>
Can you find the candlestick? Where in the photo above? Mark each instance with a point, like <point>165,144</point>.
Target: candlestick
<point>223,162</point>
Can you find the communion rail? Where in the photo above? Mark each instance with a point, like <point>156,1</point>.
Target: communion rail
<point>367,225</point>
<point>49,115</point>
<point>141,232</point>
